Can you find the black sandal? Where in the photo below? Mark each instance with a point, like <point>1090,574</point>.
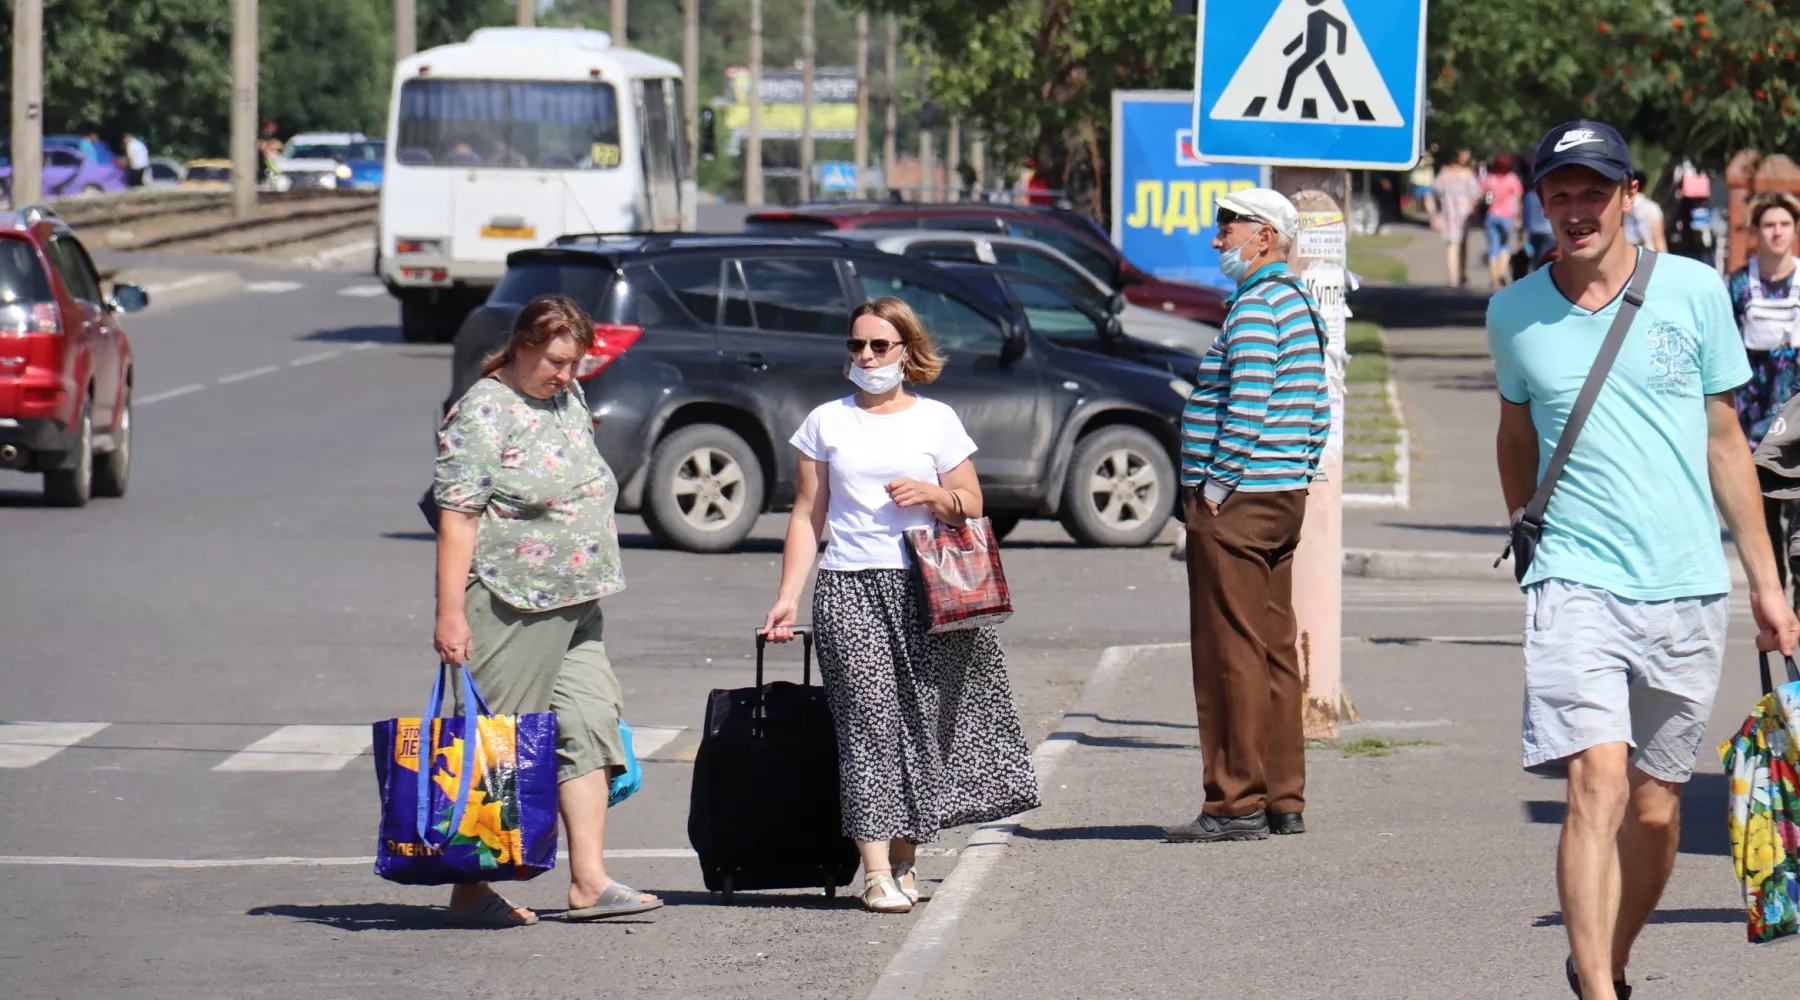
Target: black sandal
<point>1620,986</point>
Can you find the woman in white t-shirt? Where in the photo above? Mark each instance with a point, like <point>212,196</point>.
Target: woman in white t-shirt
<point>928,737</point>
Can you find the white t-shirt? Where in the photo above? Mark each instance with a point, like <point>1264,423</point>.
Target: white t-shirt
<point>865,452</point>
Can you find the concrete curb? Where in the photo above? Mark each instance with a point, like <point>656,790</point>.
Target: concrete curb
<point>1408,564</point>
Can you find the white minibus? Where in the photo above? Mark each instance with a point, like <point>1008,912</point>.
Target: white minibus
<point>514,138</point>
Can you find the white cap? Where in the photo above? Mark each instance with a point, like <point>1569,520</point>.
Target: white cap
<point>1265,206</point>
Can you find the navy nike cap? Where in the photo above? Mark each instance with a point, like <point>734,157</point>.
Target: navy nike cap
<point>1595,145</point>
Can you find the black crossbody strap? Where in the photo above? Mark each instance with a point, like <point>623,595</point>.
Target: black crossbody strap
<point>1590,389</point>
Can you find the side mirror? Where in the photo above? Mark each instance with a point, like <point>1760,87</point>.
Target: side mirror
<point>1117,304</point>
<point>129,298</point>
<point>709,133</point>
<point>1114,328</point>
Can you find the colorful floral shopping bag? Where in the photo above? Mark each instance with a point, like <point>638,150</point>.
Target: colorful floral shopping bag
<point>1763,762</point>
<point>468,798</point>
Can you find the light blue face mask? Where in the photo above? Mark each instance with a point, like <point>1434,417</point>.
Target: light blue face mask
<point>1232,263</point>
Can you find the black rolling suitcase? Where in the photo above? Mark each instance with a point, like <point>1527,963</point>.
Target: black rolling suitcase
<point>764,811</point>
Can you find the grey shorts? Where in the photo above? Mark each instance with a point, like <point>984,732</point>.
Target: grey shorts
<point>1603,669</point>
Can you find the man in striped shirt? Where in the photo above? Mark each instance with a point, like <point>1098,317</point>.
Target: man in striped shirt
<point>1252,434</point>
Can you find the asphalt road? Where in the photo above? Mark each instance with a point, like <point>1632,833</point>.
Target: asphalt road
<point>266,585</point>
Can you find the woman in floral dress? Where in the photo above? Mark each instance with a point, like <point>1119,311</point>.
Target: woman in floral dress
<point>527,546</point>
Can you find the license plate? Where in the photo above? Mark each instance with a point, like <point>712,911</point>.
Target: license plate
<point>509,232</point>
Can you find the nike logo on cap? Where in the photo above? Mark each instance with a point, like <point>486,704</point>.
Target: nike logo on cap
<point>1576,137</point>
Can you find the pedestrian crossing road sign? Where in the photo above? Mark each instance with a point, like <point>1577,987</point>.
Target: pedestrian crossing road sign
<point>836,175</point>
<point>1326,83</point>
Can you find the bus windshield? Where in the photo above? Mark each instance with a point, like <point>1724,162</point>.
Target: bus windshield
<point>508,124</point>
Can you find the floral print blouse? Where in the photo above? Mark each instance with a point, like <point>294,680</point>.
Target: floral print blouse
<point>530,468</point>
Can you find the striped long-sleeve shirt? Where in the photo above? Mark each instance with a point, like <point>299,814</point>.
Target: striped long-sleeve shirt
<point>1260,410</point>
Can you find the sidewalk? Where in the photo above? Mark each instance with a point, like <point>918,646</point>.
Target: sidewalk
<point>1427,873</point>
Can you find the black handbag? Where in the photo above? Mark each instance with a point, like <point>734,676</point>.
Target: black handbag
<point>1528,529</point>
<point>428,506</point>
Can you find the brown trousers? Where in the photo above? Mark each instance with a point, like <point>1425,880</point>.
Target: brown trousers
<point>1247,686</point>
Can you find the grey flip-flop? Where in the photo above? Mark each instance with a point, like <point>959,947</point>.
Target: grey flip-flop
<point>616,900</point>
<point>493,912</point>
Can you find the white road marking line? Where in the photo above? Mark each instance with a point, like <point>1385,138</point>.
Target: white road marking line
<point>365,345</point>
<point>646,740</point>
<point>272,287</point>
<point>23,744</point>
<point>1351,727</point>
<point>279,862</point>
<point>170,394</point>
<point>362,291</point>
<point>314,358</point>
<point>301,748</point>
<point>252,373</point>
<point>187,282</point>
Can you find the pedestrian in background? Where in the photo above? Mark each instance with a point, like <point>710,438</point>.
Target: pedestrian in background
<point>1501,191</point>
<point>527,547</point>
<point>1644,222</point>
<point>1765,301</point>
<point>1252,435</point>
<point>1627,596</point>
<point>928,737</point>
<point>1540,239</point>
<point>1420,178</point>
<point>137,160</point>
<point>1456,192</point>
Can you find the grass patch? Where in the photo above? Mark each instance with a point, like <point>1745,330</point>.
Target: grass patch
<point>1367,747</point>
<point>1372,266</point>
<point>1368,356</point>
<point>1371,427</point>
<point>1379,241</point>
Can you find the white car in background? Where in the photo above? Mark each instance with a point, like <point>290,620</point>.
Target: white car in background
<point>1047,262</point>
<point>314,160</point>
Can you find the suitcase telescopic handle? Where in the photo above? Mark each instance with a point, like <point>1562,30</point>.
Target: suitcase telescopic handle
<point>805,633</point>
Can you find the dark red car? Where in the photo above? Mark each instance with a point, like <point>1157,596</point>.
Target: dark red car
<point>1071,232</point>
<point>65,365</point>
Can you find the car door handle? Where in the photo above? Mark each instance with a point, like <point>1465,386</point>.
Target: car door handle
<point>753,361</point>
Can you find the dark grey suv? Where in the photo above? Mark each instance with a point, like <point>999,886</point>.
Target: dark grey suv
<point>712,350</point>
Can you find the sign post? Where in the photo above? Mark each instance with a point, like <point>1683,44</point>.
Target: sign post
<point>1336,84</point>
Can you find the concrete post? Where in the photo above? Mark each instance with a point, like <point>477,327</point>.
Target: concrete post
<point>406,29</point>
<point>891,114</point>
<point>807,10</point>
<point>953,160</point>
<point>27,102</point>
<point>978,159</point>
<point>525,13</point>
<point>862,104</point>
<point>1320,259</point>
<point>690,72</point>
<point>753,163</point>
<point>244,45</point>
<point>620,10</point>
<point>927,167</point>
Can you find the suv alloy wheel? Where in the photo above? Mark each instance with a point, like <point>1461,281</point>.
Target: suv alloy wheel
<point>1120,488</point>
<point>705,489</point>
<point>72,487</point>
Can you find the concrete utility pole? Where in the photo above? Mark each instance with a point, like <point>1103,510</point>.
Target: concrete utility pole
<point>862,104</point>
<point>619,9</point>
<point>527,13</point>
<point>927,166</point>
<point>406,29</point>
<point>690,71</point>
<point>953,160</point>
<point>27,102</point>
<point>753,165</point>
<point>891,114</point>
<point>244,45</point>
<point>807,10</point>
<point>978,159</point>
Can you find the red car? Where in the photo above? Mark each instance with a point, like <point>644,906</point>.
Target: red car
<point>65,365</point>
<point>1071,232</point>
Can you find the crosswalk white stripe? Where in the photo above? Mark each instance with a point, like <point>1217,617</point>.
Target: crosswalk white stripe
<point>23,744</point>
<point>272,287</point>
<point>363,291</point>
<point>646,740</point>
<point>301,748</point>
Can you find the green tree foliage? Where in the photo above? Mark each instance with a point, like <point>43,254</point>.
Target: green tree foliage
<point>1039,74</point>
<point>442,22</point>
<point>326,64</point>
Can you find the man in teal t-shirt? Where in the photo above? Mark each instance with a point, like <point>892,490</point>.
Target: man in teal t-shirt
<point>1627,595</point>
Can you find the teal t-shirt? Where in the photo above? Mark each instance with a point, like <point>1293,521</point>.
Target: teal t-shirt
<point>1633,513</point>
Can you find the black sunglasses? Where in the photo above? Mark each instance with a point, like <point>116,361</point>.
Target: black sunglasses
<point>878,346</point>
<point>1226,217</point>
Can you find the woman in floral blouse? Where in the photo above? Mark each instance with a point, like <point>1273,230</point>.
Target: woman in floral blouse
<point>526,548</point>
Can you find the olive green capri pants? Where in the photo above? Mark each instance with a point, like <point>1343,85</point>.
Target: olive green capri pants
<point>549,661</point>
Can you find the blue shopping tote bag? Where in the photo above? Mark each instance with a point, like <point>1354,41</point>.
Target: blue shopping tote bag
<point>468,798</point>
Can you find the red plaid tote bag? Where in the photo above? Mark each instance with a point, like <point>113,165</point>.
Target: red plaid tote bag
<point>959,574</point>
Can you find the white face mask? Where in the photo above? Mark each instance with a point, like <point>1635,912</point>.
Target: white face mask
<point>876,380</point>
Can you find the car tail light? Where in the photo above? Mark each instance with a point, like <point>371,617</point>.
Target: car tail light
<point>610,341</point>
<point>39,317</point>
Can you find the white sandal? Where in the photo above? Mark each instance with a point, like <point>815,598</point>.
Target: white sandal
<point>907,878</point>
<point>881,894</point>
